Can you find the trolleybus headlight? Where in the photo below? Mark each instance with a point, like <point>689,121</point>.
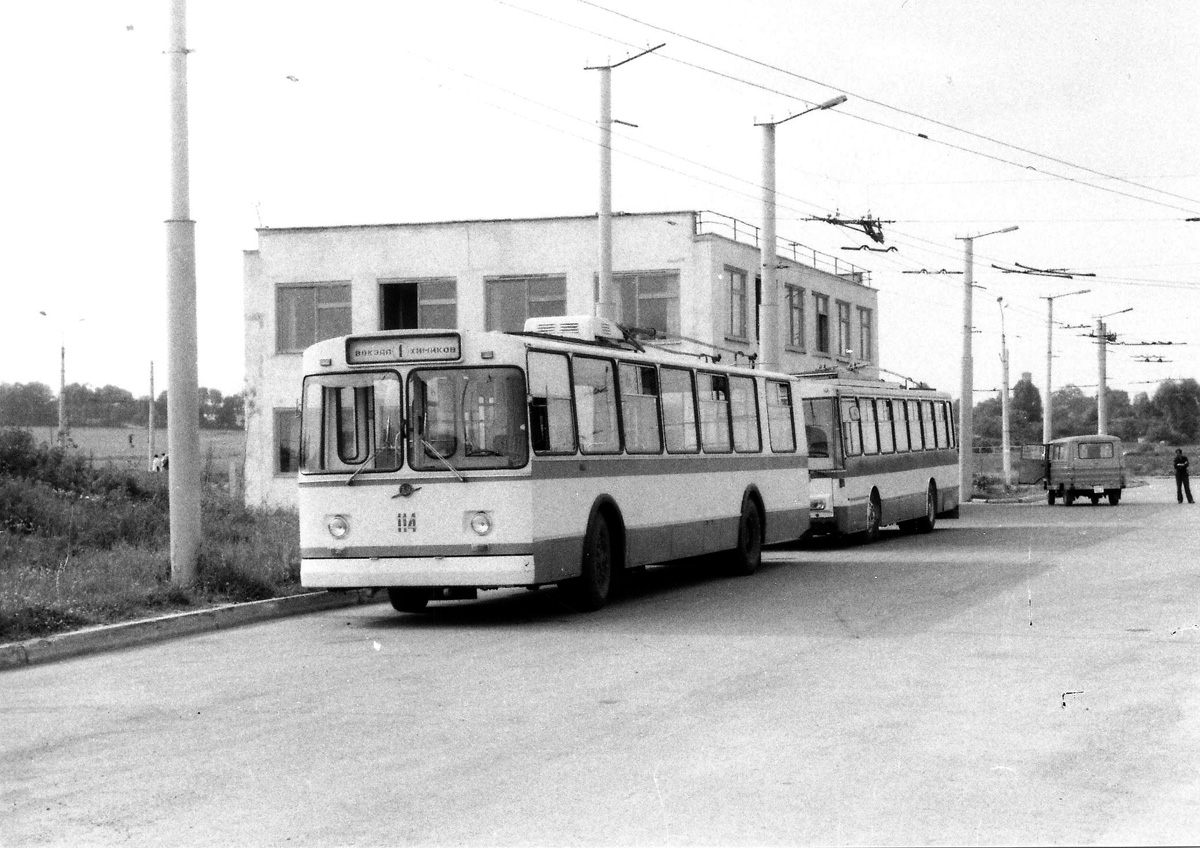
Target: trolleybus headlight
<point>338,526</point>
<point>817,504</point>
<point>481,523</point>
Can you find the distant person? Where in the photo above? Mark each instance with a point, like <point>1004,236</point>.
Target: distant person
<point>1182,486</point>
<point>131,440</point>
<point>164,466</point>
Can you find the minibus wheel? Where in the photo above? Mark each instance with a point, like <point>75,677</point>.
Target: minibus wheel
<point>408,600</point>
<point>1051,496</point>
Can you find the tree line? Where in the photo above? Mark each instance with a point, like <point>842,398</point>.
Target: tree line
<point>35,405</point>
<point>1171,414</point>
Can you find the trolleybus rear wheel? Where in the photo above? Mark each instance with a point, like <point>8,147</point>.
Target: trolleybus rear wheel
<point>926,523</point>
<point>408,600</point>
<point>873,518</point>
<point>747,556</point>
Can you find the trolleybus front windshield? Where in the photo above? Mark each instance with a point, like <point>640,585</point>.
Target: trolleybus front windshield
<point>351,422</point>
<point>467,418</point>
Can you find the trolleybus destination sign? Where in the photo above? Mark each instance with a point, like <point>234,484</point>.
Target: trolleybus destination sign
<point>439,348</point>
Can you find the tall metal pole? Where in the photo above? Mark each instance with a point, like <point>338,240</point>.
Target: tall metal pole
<point>63,426</point>
<point>1048,406</point>
<point>769,357</point>
<point>966,406</point>
<point>768,310</point>
<point>967,387</point>
<point>183,414</point>
<point>605,304</point>
<point>150,447</point>
<point>1102,381</point>
<point>604,301</point>
<point>1005,420</point>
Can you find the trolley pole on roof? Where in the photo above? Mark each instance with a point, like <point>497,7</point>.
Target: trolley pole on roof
<point>605,306</point>
<point>183,414</point>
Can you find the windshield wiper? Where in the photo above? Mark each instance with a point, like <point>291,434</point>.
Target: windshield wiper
<point>361,466</point>
<point>445,461</point>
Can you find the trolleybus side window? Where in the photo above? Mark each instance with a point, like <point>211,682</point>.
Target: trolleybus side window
<point>927,424</point>
<point>550,403</point>
<point>939,425</point>
<point>744,405</point>
<point>870,436</point>
<point>713,394</point>
<point>883,418</point>
<point>467,418</point>
<point>351,421</point>
<point>947,419</point>
<point>679,410</point>
<point>900,422</point>
<point>639,408</point>
<point>851,433</point>
<point>596,405</point>
<point>780,423</point>
<point>916,442</point>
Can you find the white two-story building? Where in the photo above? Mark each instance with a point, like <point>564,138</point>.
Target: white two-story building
<point>691,276</point>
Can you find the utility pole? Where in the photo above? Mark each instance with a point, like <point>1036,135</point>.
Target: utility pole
<point>63,426</point>
<point>1102,381</point>
<point>183,414</point>
<point>605,306</point>
<point>1005,430</point>
<point>768,310</point>
<point>150,448</point>
<point>1048,405</point>
<point>966,406</point>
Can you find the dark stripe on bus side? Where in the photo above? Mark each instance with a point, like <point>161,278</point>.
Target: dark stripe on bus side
<point>887,463</point>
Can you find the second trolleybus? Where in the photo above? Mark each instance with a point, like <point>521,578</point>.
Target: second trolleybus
<point>880,453</point>
<point>434,464</point>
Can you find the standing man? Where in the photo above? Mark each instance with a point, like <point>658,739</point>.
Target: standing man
<point>1182,486</point>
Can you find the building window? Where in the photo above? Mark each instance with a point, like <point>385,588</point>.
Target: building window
<point>307,314</point>
<point>512,300</point>
<point>287,441</point>
<point>866,350</point>
<point>736,280</point>
<point>418,304</point>
<point>845,344</point>
<point>795,311</point>
<point>821,308</point>
<point>649,300</point>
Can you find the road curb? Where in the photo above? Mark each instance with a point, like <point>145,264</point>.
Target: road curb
<point>128,634</point>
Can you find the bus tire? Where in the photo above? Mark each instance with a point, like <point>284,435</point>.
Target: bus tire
<point>408,600</point>
<point>926,523</point>
<point>747,556</point>
<point>589,591</point>
<point>1114,496</point>
<point>874,512</point>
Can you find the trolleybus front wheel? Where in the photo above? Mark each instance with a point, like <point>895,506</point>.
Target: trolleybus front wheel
<point>589,591</point>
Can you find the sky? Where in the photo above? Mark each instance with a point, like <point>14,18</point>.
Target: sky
<point>1074,120</point>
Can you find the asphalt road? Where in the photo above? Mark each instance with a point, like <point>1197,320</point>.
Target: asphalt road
<point>1025,675</point>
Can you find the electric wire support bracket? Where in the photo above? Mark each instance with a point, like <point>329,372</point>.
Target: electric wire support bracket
<point>872,227</point>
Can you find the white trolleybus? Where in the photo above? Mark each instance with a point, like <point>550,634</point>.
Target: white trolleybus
<point>436,464</point>
<point>879,454</point>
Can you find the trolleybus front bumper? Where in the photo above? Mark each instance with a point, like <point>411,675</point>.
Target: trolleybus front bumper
<point>374,572</point>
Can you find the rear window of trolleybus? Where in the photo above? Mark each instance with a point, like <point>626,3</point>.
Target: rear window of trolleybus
<point>465,418</point>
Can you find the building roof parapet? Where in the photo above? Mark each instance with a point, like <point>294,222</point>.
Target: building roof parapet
<point>714,223</point>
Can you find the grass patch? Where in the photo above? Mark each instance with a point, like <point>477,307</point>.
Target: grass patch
<point>85,544</point>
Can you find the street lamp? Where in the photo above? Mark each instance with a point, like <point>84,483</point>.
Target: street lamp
<point>966,405</point>
<point>1048,406</point>
<point>768,310</point>
<point>1101,383</point>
